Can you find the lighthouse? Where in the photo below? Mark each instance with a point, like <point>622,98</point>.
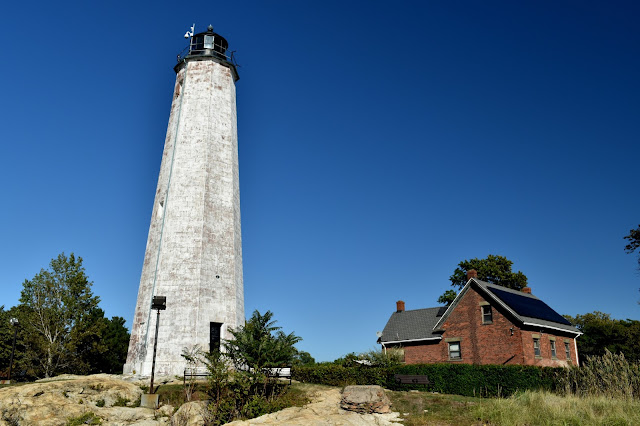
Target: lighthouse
<point>194,248</point>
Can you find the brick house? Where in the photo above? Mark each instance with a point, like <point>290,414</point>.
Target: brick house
<point>485,324</point>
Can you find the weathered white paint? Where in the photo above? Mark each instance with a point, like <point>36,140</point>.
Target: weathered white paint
<point>194,248</point>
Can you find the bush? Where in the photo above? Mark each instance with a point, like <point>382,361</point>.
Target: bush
<point>337,375</point>
<point>479,380</point>
<point>85,419</point>
<point>240,394</point>
<point>457,379</point>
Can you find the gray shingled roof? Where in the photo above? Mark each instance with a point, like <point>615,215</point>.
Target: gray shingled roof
<point>412,325</point>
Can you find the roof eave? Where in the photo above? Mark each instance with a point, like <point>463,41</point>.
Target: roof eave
<point>550,327</point>
<point>410,340</point>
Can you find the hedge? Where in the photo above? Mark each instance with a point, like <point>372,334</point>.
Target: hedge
<point>458,379</point>
<point>337,375</point>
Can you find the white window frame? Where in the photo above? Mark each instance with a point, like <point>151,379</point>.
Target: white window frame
<point>488,312</point>
<point>452,351</point>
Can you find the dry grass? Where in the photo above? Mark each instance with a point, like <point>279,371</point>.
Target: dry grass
<point>528,408</point>
<point>426,408</point>
<point>609,375</point>
<point>543,408</point>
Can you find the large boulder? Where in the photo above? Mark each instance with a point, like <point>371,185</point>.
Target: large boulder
<point>365,400</point>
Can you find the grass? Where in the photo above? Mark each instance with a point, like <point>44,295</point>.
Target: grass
<point>174,395</point>
<point>85,419</point>
<point>121,401</point>
<point>426,408</point>
<point>527,408</point>
<point>544,408</point>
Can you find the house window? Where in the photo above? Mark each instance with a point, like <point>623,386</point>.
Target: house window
<point>536,347</point>
<point>454,350</point>
<point>567,350</point>
<point>553,348</point>
<point>214,336</point>
<point>487,315</point>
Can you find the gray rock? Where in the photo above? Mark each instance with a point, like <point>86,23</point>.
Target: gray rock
<point>365,399</point>
<point>192,413</point>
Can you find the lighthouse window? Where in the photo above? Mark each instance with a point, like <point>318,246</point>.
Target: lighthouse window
<point>160,209</point>
<point>214,336</point>
<point>208,42</point>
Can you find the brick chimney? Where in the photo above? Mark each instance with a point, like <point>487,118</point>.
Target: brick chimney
<point>400,306</point>
<point>526,290</point>
<point>472,273</point>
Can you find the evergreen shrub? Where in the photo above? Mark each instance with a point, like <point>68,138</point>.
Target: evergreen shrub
<point>338,375</point>
<point>457,379</point>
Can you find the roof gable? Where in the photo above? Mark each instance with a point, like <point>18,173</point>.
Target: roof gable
<point>525,308</point>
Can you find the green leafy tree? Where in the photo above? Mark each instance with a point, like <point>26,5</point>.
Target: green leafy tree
<point>58,312</point>
<point>494,269</point>
<point>116,339</point>
<point>7,332</point>
<point>260,344</point>
<point>104,346</point>
<point>602,333</point>
<point>349,360</point>
<point>303,358</point>
<point>447,297</point>
<point>390,357</point>
<point>634,241</point>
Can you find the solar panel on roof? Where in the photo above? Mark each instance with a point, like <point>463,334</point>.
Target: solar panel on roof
<point>529,307</point>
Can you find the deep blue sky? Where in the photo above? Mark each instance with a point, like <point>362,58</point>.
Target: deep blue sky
<point>380,144</point>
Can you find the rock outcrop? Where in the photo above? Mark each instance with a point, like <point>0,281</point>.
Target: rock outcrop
<point>325,411</point>
<point>113,401</point>
<point>54,402</point>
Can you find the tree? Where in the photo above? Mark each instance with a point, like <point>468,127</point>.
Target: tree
<point>7,331</point>
<point>116,339</point>
<point>303,358</point>
<point>390,357</point>
<point>447,297</point>
<point>58,311</point>
<point>259,344</point>
<point>494,269</point>
<point>634,241</point>
<point>103,348</point>
<point>602,333</point>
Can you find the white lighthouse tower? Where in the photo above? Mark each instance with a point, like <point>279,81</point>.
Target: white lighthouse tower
<point>194,249</point>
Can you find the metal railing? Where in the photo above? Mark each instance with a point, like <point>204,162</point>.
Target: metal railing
<point>193,49</point>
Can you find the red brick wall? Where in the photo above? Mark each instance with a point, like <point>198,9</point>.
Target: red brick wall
<point>545,359</point>
<point>483,343</point>
<point>500,342</point>
<point>424,353</point>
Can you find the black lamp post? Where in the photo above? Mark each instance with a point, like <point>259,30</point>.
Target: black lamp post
<point>159,303</point>
<point>15,323</point>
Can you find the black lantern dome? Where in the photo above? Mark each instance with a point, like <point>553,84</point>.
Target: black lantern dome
<point>208,43</point>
